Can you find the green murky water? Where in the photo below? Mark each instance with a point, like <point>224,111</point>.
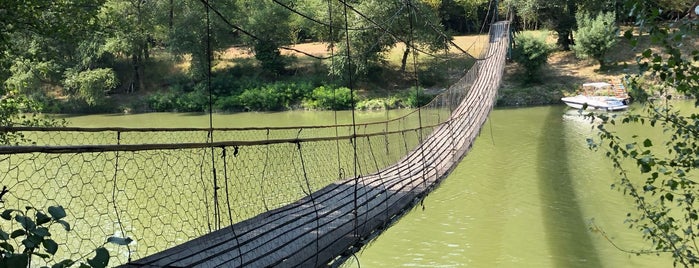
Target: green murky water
<point>525,196</point>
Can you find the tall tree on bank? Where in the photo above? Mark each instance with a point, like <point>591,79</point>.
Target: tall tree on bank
<point>595,36</point>
<point>660,174</point>
<point>378,26</point>
<point>43,32</point>
<point>131,25</point>
<point>271,25</point>
<point>188,35</point>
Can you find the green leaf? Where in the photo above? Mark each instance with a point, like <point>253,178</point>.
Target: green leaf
<point>28,244</point>
<point>65,224</point>
<point>42,232</point>
<point>119,241</point>
<point>57,212</point>
<point>50,246</point>
<point>42,218</point>
<point>669,196</point>
<point>647,143</point>
<point>26,222</point>
<point>7,214</point>
<point>7,247</point>
<point>42,255</point>
<point>63,264</point>
<point>18,233</point>
<point>4,236</point>
<point>101,258</point>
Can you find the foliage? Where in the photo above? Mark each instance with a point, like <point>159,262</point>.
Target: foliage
<point>17,110</point>
<point>393,102</point>
<point>91,85</point>
<point>274,97</point>
<point>659,174</point>
<point>366,46</point>
<point>33,238</point>
<point>595,36</point>
<point>271,26</point>
<point>331,98</point>
<point>531,51</point>
<point>417,98</point>
<point>28,76</point>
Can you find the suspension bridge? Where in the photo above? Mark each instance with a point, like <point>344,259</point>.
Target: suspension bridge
<point>257,197</point>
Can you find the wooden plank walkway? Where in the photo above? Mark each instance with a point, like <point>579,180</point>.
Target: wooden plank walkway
<point>318,229</point>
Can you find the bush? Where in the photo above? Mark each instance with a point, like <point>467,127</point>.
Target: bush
<point>417,99</point>
<point>91,85</point>
<point>228,104</point>
<point>329,98</point>
<point>595,36</point>
<point>261,99</point>
<point>531,52</point>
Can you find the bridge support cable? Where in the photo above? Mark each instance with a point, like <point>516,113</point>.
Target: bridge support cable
<point>114,197</point>
<point>313,203</point>
<point>217,210</point>
<point>354,120</point>
<point>228,200</point>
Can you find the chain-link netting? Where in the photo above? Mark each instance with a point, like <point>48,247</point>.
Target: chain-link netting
<point>163,187</point>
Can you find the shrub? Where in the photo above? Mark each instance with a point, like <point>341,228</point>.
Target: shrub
<point>531,52</point>
<point>261,99</point>
<point>595,36</point>
<point>91,85</point>
<point>329,98</point>
<point>162,101</point>
<point>417,99</point>
<point>228,103</point>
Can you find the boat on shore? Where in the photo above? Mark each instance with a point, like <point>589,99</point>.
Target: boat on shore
<point>599,96</point>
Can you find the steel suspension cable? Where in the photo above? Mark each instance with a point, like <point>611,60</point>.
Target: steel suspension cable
<point>354,122</point>
<point>411,16</point>
<point>217,212</point>
<point>332,78</point>
<point>228,200</point>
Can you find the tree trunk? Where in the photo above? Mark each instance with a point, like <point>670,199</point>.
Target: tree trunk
<point>136,82</point>
<point>404,61</point>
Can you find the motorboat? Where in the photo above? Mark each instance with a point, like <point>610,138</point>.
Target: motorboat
<point>599,96</point>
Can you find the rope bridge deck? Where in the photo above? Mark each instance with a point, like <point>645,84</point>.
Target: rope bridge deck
<point>256,197</point>
<point>324,225</point>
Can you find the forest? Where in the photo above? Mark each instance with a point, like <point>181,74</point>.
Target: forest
<point>96,56</point>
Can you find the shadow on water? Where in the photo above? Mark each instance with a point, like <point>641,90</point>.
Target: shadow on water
<point>568,238</point>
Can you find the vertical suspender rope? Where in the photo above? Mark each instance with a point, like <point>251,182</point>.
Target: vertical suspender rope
<point>354,127</point>
<point>217,212</point>
<point>417,91</point>
<point>114,194</point>
<point>332,76</point>
<point>228,200</point>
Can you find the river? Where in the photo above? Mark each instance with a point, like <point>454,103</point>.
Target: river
<point>525,196</point>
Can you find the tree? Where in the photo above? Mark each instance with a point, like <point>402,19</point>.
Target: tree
<point>39,38</point>
<point>378,26</point>
<point>270,23</point>
<point>531,52</point>
<point>595,36</point>
<point>660,174</point>
<point>188,35</point>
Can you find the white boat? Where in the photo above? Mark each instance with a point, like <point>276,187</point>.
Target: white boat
<point>599,96</point>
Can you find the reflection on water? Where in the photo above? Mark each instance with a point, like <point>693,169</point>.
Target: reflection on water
<point>523,197</point>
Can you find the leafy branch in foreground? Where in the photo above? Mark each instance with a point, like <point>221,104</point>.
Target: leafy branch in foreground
<point>33,238</point>
<point>659,172</point>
